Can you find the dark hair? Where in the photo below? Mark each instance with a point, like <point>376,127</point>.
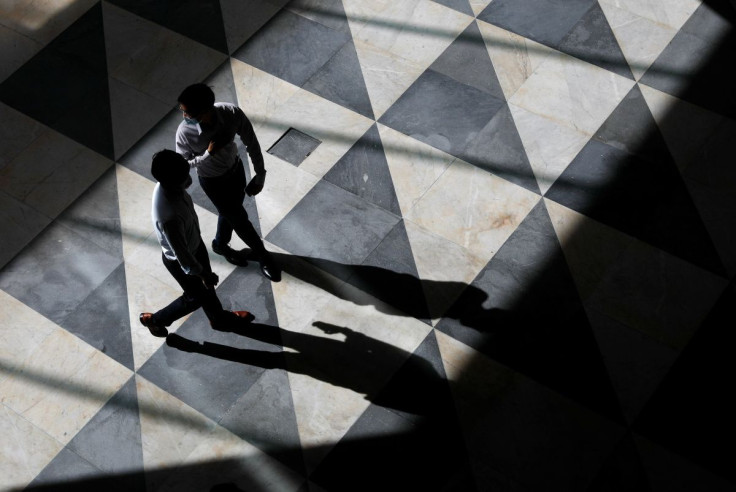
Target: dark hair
<point>197,98</point>
<point>169,168</point>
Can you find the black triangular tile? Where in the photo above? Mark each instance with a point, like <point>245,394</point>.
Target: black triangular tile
<point>549,24</point>
<point>631,182</point>
<point>593,40</point>
<point>467,61</point>
<point>341,81</point>
<point>709,37</point>
<point>622,471</point>
<point>103,452</point>
<point>390,274</point>
<point>410,433</point>
<point>691,412</point>
<point>498,149</point>
<point>200,20</point>
<point>363,170</point>
<point>292,47</point>
<point>462,6</point>
<point>523,310</point>
<point>77,102</point>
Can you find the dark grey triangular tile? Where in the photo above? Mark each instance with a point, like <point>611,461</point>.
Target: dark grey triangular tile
<point>498,149</point>
<point>410,432</point>
<point>550,23</point>
<point>708,37</point>
<point>523,310</point>
<point>107,452</point>
<point>442,112</point>
<point>265,417</point>
<point>363,170</point>
<point>390,274</point>
<point>467,61</point>
<point>592,40</point>
<point>632,183</point>
<point>77,102</point>
<point>333,228</point>
<point>341,81</point>
<point>196,19</point>
<point>102,319</point>
<point>292,47</point>
<point>459,5</point>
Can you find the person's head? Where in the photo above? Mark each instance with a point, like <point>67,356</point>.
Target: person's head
<point>195,102</point>
<point>171,170</point>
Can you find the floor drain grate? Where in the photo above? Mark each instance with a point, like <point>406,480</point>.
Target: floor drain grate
<point>294,146</point>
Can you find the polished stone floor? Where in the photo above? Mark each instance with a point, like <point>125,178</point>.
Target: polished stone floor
<point>508,262</point>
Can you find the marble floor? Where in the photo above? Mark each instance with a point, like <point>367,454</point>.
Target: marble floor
<point>508,262</point>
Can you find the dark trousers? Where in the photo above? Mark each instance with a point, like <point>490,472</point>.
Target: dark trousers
<point>227,193</point>
<point>195,294</point>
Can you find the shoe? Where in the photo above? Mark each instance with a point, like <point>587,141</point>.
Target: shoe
<point>231,319</point>
<point>239,258</point>
<point>146,320</point>
<point>270,269</point>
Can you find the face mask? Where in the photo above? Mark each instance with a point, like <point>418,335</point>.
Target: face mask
<point>191,121</point>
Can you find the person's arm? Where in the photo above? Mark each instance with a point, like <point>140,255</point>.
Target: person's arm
<point>248,137</point>
<point>174,232</point>
<point>183,148</point>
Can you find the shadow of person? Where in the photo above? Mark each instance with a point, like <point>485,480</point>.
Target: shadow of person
<point>353,360</point>
<point>418,298</point>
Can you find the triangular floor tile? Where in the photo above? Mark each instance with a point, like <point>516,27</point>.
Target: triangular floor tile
<point>195,19</point>
<point>292,47</point>
<point>693,392</point>
<point>265,417</point>
<point>90,459</point>
<point>708,36</point>
<point>622,471</point>
<point>467,61</point>
<point>77,103</point>
<point>459,5</point>
<point>363,170</point>
<point>410,433</point>
<point>390,274</point>
<point>592,40</point>
<point>549,24</point>
<point>523,310</point>
<point>628,180</point>
<point>341,81</point>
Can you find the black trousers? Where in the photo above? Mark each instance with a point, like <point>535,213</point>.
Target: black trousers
<point>195,294</point>
<point>227,193</point>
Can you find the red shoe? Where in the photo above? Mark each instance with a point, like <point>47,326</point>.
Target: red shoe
<point>146,320</point>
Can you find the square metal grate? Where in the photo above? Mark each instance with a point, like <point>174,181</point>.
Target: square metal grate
<point>294,146</point>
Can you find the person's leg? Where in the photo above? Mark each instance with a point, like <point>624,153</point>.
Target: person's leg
<point>227,194</point>
<point>186,303</point>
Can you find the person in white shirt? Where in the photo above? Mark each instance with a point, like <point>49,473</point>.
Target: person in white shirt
<point>206,138</point>
<point>183,251</point>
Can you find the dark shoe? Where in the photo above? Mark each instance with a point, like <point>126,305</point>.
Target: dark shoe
<point>270,269</point>
<point>232,319</point>
<point>146,320</point>
<point>239,258</point>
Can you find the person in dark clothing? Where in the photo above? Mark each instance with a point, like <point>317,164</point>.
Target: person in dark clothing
<point>206,138</point>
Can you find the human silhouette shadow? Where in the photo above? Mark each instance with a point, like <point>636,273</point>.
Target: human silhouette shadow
<point>414,297</point>
<point>357,362</point>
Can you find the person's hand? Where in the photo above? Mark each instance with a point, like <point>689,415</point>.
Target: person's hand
<point>256,184</point>
<point>210,279</point>
<point>213,147</point>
